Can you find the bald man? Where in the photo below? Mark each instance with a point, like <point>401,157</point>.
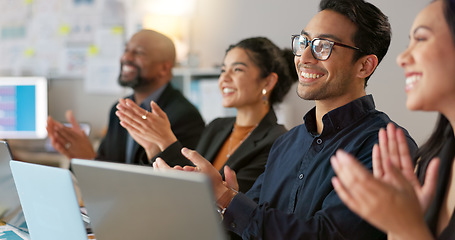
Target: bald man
<point>146,67</point>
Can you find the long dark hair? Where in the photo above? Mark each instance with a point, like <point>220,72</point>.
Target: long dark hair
<point>443,130</point>
<point>270,58</point>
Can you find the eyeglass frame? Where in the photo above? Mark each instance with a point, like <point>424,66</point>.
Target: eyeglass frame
<point>310,43</point>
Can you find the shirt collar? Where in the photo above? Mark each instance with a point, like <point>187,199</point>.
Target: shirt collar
<point>341,117</point>
<point>154,96</point>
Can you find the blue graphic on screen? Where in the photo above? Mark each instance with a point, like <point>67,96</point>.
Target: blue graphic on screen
<point>9,235</point>
<point>17,108</point>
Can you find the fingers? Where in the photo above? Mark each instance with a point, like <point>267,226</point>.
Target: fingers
<point>132,129</point>
<point>59,147</point>
<point>160,164</point>
<point>429,187</point>
<point>378,171</point>
<point>157,110</point>
<point>71,119</point>
<point>383,145</point>
<point>67,134</point>
<point>394,176</point>
<point>50,127</point>
<point>58,133</point>
<point>130,109</point>
<point>231,178</point>
<point>344,194</point>
<point>352,182</point>
<point>195,157</point>
<point>136,117</point>
<point>347,168</point>
<point>134,108</point>
<point>393,145</point>
<point>403,149</point>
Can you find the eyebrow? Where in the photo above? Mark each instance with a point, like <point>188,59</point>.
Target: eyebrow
<point>236,63</point>
<point>325,36</point>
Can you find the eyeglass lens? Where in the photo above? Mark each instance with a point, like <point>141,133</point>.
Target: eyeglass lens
<point>320,48</point>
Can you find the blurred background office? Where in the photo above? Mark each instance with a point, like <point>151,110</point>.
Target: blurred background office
<point>77,44</point>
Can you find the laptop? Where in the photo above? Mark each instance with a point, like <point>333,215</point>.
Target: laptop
<point>48,201</point>
<point>10,206</point>
<point>9,200</point>
<point>138,202</point>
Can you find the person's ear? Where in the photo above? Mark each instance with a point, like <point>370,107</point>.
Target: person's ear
<point>167,66</point>
<point>271,81</point>
<point>165,69</point>
<point>367,65</point>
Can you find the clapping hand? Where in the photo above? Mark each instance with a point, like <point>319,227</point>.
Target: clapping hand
<point>392,199</point>
<point>224,190</point>
<point>70,141</point>
<point>152,130</point>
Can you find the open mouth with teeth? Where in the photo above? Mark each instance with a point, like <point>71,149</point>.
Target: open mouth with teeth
<point>128,69</point>
<point>310,75</point>
<point>412,80</point>
<point>228,90</point>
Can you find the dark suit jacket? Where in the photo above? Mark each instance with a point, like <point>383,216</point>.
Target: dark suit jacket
<point>446,156</point>
<point>248,161</point>
<point>186,123</point>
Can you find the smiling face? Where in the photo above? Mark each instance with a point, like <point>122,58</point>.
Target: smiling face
<point>240,82</point>
<point>334,77</point>
<point>429,62</point>
<point>140,60</point>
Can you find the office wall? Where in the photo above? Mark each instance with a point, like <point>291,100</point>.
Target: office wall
<point>218,23</point>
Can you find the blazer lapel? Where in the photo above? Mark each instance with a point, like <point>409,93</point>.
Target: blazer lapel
<point>218,140</point>
<point>257,135</point>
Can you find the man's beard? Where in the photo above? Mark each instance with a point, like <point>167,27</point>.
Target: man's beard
<point>136,82</point>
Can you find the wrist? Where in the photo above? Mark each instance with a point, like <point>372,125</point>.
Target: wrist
<point>225,199</point>
<point>420,233</point>
<point>163,145</point>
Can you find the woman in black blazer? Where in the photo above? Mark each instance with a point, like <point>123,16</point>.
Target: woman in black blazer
<point>255,75</point>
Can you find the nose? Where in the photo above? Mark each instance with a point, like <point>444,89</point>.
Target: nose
<point>224,76</point>
<point>127,56</point>
<point>404,58</point>
<point>306,57</point>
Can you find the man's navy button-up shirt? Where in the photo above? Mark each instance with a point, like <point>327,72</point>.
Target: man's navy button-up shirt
<point>294,197</point>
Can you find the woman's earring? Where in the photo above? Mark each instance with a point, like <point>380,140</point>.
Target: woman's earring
<point>264,96</point>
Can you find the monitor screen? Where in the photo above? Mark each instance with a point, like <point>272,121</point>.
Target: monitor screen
<point>23,107</point>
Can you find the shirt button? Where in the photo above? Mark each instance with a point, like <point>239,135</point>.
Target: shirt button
<point>301,176</point>
<point>233,225</point>
<point>319,141</point>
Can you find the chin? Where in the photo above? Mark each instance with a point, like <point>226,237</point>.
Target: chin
<point>227,105</point>
<point>412,105</point>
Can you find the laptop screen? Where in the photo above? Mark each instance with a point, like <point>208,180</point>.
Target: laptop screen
<point>49,202</point>
<point>137,202</point>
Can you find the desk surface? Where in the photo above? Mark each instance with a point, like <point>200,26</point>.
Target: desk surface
<point>9,232</point>
<point>34,151</point>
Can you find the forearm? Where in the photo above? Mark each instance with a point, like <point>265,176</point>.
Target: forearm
<point>416,233</point>
<point>172,155</point>
<point>152,151</point>
<point>164,142</point>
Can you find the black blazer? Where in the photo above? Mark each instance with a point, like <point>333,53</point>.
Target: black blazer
<point>186,123</point>
<point>444,173</point>
<point>248,161</point>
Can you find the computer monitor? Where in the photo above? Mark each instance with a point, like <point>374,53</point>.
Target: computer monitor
<point>23,107</point>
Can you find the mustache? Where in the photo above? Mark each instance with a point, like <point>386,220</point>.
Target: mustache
<point>130,64</point>
<point>308,66</point>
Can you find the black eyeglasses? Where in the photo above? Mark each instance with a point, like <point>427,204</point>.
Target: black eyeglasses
<point>320,48</point>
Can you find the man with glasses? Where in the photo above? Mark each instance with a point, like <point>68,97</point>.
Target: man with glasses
<point>335,54</point>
